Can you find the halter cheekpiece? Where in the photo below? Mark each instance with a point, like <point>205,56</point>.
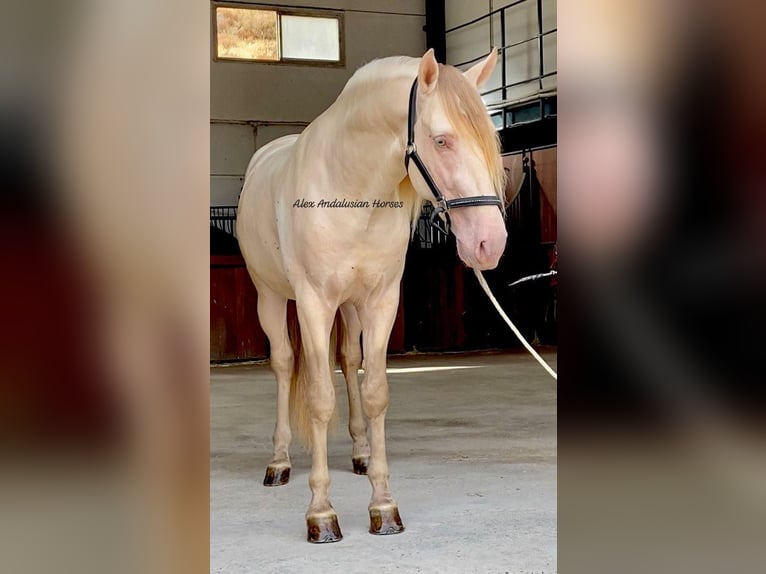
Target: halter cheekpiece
<point>443,205</point>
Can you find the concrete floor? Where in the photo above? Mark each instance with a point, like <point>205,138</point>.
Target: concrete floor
<point>472,456</point>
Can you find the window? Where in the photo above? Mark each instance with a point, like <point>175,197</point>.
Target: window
<point>286,36</point>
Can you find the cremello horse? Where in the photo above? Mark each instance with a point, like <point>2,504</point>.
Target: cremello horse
<point>351,259</point>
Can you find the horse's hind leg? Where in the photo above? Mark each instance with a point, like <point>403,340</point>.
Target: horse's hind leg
<point>350,361</point>
<point>272,312</point>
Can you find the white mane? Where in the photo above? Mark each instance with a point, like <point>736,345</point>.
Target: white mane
<point>389,68</point>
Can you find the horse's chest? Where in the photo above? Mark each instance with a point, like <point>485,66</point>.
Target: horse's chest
<point>355,270</point>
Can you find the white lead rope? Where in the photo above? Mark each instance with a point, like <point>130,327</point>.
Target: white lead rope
<point>483,283</point>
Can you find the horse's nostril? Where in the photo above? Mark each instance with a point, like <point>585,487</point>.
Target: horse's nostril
<point>486,254</point>
<point>482,252</point>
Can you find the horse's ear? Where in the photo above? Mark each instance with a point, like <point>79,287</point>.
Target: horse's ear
<point>428,73</point>
<point>479,73</point>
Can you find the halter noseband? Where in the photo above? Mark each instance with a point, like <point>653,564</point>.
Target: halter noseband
<point>443,205</point>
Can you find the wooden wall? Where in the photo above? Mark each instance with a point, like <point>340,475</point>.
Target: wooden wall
<point>433,299</point>
<point>235,333</point>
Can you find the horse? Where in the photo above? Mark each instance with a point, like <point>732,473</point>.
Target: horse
<point>325,218</point>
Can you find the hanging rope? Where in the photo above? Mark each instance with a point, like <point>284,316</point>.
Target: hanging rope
<point>488,291</point>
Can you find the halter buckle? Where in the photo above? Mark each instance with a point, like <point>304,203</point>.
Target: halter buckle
<point>436,221</point>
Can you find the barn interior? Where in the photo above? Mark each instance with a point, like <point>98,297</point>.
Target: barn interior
<point>474,464</point>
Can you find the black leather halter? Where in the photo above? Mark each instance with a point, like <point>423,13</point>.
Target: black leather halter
<point>443,205</point>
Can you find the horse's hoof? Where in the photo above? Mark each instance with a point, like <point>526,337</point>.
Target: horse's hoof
<point>385,520</point>
<point>276,475</point>
<point>323,529</point>
<point>360,464</point>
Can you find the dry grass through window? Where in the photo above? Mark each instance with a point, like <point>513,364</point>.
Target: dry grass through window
<point>247,34</point>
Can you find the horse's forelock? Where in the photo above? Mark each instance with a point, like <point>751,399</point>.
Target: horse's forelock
<point>467,114</point>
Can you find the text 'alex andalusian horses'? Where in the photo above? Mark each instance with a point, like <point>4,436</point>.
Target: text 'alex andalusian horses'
<point>325,218</point>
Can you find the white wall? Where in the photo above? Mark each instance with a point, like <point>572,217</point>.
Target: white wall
<point>293,95</point>
<point>522,61</point>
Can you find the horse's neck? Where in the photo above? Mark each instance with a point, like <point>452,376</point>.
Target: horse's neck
<point>363,139</point>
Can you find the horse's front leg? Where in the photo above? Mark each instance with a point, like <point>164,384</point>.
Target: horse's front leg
<point>377,316</point>
<point>316,318</point>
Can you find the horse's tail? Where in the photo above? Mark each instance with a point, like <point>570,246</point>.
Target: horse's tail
<point>300,415</point>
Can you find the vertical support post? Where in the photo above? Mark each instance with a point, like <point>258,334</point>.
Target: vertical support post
<point>436,36</point>
<point>491,26</point>
<point>502,58</point>
<point>541,71</point>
